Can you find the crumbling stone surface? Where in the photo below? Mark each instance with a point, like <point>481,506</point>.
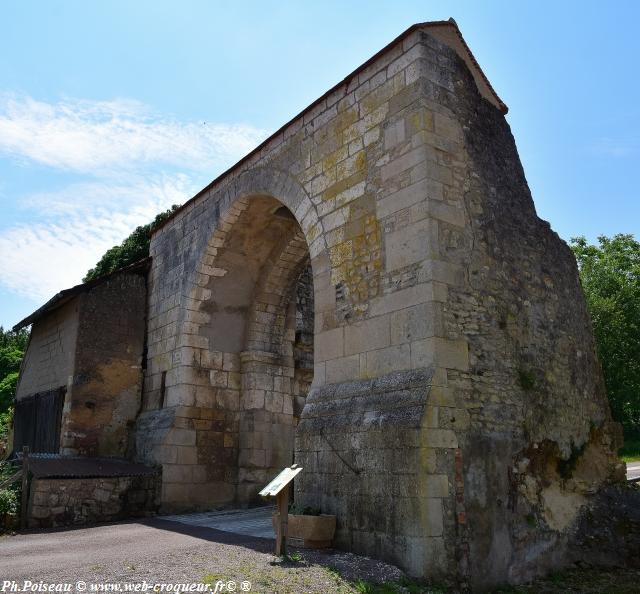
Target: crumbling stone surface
<point>79,501</point>
<point>540,440</point>
<point>103,399</point>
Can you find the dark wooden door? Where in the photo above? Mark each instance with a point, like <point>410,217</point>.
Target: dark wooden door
<point>37,422</point>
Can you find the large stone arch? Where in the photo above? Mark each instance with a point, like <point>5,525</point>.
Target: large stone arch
<point>436,290</point>
<point>229,379</point>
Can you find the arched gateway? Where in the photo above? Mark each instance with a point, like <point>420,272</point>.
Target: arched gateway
<point>371,293</point>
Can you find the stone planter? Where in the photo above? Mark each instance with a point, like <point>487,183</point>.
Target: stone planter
<point>309,532</point>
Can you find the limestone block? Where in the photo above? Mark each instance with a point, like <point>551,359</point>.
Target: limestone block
<point>205,396</point>
<point>342,369</point>
<point>367,335</point>
<point>186,454</point>
<point>439,438</point>
<point>177,473</point>
<point>408,196</point>
<point>273,401</point>
<point>253,399</point>
<point>181,437</point>
<point>402,163</point>
<point>329,344</point>
<point>387,360</point>
<point>436,486</point>
<point>401,299</point>
<point>282,384</point>
<point>228,399</point>
<point>211,359</point>
<point>287,405</point>
<point>234,380</point>
<point>451,354</point>
<point>252,458</point>
<point>219,379</point>
<point>413,323</point>
<point>414,243</point>
<point>180,395</point>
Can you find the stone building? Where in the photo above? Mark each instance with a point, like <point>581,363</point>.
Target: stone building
<point>80,386</point>
<point>446,402</point>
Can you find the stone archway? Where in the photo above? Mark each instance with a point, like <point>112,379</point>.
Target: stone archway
<point>435,288</point>
<point>220,409</point>
<point>259,267</point>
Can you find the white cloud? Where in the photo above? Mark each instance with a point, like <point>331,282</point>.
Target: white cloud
<point>128,164</point>
<point>93,137</point>
<point>54,254</point>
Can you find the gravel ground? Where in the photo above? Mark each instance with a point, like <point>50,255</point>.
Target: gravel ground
<point>157,551</point>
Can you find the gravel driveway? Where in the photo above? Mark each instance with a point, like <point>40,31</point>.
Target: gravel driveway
<point>158,551</point>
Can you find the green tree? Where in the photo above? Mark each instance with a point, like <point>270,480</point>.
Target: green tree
<point>12,349</point>
<point>133,248</point>
<point>8,387</point>
<point>610,275</point>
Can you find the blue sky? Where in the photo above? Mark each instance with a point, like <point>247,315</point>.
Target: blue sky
<point>112,110</point>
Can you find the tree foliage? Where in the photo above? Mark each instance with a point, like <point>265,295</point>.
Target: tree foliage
<point>133,248</point>
<point>610,275</point>
<point>12,348</point>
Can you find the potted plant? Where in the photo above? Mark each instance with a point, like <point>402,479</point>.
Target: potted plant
<point>307,527</point>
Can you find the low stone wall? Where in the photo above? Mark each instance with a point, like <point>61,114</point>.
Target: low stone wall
<point>77,501</point>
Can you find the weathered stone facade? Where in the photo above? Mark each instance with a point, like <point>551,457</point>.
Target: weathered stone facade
<point>455,372</point>
<point>456,421</point>
<point>88,342</point>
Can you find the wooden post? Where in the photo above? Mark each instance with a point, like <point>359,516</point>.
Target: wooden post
<point>25,487</point>
<point>282,504</point>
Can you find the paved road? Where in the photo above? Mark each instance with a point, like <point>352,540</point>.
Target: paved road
<point>178,550</point>
<point>633,470</point>
<point>249,522</point>
<point>60,553</point>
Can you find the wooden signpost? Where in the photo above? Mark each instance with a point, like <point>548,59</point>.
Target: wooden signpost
<point>279,488</point>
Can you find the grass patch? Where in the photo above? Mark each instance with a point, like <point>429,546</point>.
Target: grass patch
<point>631,450</point>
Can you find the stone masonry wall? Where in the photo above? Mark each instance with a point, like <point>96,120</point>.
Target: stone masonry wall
<point>49,360</point>
<point>104,399</point>
<point>457,416</point>
<point>334,169</point>
<point>80,501</point>
<point>537,440</point>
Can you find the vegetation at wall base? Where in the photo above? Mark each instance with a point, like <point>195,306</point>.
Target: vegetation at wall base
<point>610,276</point>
